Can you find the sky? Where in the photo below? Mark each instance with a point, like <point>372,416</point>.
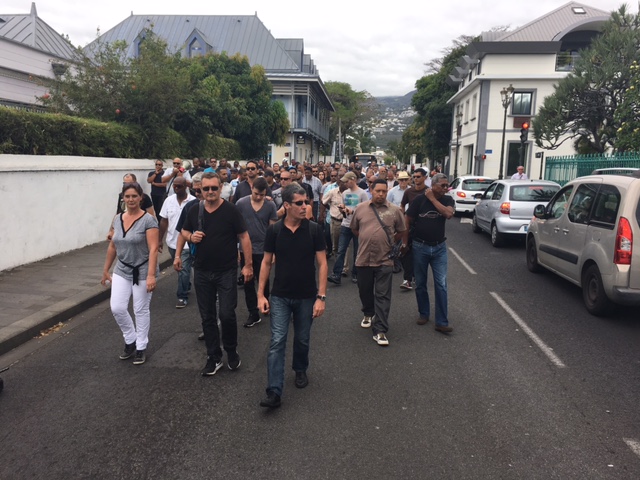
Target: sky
<point>377,46</point>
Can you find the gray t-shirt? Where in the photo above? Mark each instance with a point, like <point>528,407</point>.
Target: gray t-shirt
<point>131,246</point>
<point>257,222</point>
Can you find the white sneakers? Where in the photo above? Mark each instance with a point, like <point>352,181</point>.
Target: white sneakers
<point>366,322</point>
<point>381,339</point>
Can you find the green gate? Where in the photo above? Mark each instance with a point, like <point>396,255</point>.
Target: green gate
<point>566,168</point>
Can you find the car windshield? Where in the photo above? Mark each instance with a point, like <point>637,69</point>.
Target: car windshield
<point>476,184</point>
<point>532,193</point>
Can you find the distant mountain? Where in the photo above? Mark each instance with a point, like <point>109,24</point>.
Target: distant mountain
<point>394,116</point>
<point>396,103</point>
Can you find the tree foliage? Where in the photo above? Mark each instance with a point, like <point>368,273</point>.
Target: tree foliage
<point>213,95</point>
<point>584,106</point>
<point>628,114</point>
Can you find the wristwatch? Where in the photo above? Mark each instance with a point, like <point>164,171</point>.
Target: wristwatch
<point>322,297</point>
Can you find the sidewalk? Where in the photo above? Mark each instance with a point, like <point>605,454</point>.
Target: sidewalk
<point>36,296</point>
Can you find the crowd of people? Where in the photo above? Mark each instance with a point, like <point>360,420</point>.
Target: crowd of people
<point>226,226</point>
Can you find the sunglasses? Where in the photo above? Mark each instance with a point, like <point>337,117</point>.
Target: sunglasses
<point>212,189</point>
<point>282,179</point>
<point>299,203</point>
<point>158,165</point>
<point>197,190</point>
<point>177,164</point>
<point>417,176</point>
<point>251,168</point>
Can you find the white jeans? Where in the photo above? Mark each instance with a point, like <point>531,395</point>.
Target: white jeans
<point>121,290</point>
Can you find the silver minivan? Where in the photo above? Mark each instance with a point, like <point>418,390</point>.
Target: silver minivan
<point>585,234</point>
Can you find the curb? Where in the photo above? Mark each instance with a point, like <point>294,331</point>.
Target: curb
<point>24,330</point>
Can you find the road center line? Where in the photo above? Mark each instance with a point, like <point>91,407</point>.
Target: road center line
<point>634,445</point>
<point>464,264</point>
<point>532,335</point>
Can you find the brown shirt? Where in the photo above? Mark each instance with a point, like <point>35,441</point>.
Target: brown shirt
<point>373,242</point>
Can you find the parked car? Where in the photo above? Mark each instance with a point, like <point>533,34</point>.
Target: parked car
<point>585,235</point>
<point>506,208</point>
<point>615,171</point>
<point>467,190</point>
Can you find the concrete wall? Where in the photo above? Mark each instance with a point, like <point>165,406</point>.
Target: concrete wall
<point>52,205</point>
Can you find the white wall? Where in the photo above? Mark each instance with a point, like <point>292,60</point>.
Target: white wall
<point>52,205</point>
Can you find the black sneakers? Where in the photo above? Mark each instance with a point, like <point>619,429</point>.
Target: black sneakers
<point>271,401</point>
<point>251,321</point>
<point>334,279</point>
<point>140,357</point>
<point>211,367</point>
<point>301,380</point>
<point>233,361</point>
<point>129,351</point>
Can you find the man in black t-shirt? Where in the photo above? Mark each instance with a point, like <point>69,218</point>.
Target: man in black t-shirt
<point>428,214</point>
<point>297,244</point>
<point>215,235</point>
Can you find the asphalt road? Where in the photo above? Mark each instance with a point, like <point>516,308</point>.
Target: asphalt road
<point>529,385</point>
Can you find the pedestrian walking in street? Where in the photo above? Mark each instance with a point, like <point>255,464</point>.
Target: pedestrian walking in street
<point>135,246</point>
<point>419,177</point>
<point>298,245</point>
<point>379,225</point>
<point>215,228</point>
<point>428,214</point>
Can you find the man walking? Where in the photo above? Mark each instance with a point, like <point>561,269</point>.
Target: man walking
<point>258,215</point>
<point>428,214</point>
<point>378,224</point>
<point>244,188</point>
<point>298,244</point>
<point>215,229</point>
<point>169,216</point>
<point>316,188</point>
<point>520,175</point>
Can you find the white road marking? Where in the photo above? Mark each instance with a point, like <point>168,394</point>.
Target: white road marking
<point>464,264</point>
<point>634,445</point>
<point>532,335</point>
<point>466,220</point>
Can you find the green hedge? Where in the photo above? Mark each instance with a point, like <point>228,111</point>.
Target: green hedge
<point>29,133</point>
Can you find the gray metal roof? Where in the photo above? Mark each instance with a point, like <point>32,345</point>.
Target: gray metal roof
<point>294,48</point>
<point>31,31</point>
<point>552,25</point>
<point>244,34</point>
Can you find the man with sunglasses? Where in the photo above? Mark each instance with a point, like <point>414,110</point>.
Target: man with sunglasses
<point>244,188</point>
<point>215,231</point>
<point>428,214</point>
<point>298,245</point>
<point>158,187</point>
<point>169,216</point>
<point>171,174</point>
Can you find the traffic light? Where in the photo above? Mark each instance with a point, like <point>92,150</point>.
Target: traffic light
<point>524,132</point>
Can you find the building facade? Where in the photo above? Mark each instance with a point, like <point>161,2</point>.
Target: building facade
<point>525,64</point>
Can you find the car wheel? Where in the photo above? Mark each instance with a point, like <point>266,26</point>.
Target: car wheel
<point>532,256</point>
<point>474,225</point>
<point>497,238</point>
<point>593,294</point>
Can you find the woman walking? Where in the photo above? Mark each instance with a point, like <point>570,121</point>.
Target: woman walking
<point>135,245</point>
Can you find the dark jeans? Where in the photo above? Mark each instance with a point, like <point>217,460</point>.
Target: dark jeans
<point>346,235</point>
<point>210,285</point>
<point>407,264</point>
<point>250,289</point>
<point>184,275</point>
<point>157,201</point>
<point>374,286</point>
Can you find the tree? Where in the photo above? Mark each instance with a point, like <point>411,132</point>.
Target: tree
<point>584,105</point>
<point>628,114</point>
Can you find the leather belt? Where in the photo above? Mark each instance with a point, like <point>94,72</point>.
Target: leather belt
<point>430,244</point>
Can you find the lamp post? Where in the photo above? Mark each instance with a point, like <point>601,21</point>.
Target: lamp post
<point>506,94</point>
<point>458,131</point>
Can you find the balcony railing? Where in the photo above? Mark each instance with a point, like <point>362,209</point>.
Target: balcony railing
<point>565,61</point>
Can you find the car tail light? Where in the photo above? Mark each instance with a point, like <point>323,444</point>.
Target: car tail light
<point>505,208</point>
<point>624,243</point>
<point>461,194</point>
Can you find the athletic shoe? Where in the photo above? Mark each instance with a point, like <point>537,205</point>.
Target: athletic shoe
<point>211,367</point>
<point>301,380</point>
<point>334,279</point>
<point>251,321</point>
<point>345,273</point>
<point>354,278</point>
<point>140,357</point>
<point>272,401</point>
<point>182,302</point>
<point>129,351</point>
<point>366,322</point>
<point>201,336</point>
<point>406,285</point>
<point>233,361</point>
<point>381,339</point>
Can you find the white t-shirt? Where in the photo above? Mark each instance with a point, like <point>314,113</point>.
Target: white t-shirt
<point>171,210</point>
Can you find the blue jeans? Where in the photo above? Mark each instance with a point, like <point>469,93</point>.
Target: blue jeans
<point>281,311</point>
<point>346,235</point>
<point>423,256</point>
<point>184,275</point>
<point>221,285</point>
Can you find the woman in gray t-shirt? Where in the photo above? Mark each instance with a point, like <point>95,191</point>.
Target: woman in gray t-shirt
<point>135,245</point>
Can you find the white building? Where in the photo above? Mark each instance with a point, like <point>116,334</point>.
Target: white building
<point>531,59</point>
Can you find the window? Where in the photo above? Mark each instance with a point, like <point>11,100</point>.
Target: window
<point>489,193</point>
<point>195,49</point>
<point>497,195</point>
<point>521,103</point>
<point>474,106</point>
<point>466,111</point>
<point>559,205</point>
<point>605,211</point>
<point>581,204</point>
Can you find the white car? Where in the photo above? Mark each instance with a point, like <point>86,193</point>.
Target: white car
<point>467,190</point>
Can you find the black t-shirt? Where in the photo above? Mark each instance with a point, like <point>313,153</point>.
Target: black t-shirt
<point>295,258</point>
<point>218,250</point>
<point>157,178</point>
<point>146,203</point>
<point>183,214</point>
<point>428,222</point>
<point>410,194</point>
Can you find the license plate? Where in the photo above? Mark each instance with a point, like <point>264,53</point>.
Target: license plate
<point>524,228</point>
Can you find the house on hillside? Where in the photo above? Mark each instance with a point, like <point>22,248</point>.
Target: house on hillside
<point>524,65</point>
<point>31,52</point>
<point>295,79</point>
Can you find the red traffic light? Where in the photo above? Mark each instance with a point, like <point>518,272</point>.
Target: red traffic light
<point>525,126</point>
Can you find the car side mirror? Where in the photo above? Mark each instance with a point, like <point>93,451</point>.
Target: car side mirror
<point>540,212</point>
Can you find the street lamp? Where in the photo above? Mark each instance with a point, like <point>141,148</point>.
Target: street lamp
<point>458,132</point>
<point>506,94</point>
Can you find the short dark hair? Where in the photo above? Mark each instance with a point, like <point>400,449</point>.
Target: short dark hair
<point>307,167</point>
<point>251,161</point>
<point>291,191</point>
<point>378,181</point>
<point>135,185</point>
<point>260,184</point>
<point>420,170</point>
<point>132,175</point>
